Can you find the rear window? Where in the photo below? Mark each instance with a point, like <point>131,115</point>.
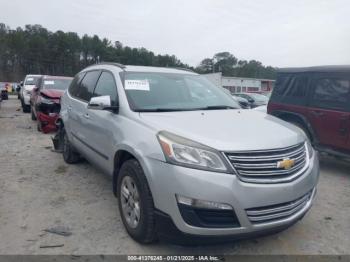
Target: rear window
<point>59,84</point>
<point>87,85</point>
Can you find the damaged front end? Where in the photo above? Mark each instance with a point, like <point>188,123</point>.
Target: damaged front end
<point>48,110</point>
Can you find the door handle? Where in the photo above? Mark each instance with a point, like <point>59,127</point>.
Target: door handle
<point>87,116</point>
<point>317,113</point>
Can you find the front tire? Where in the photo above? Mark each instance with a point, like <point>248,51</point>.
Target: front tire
<point>70,156</point>
<point>136,203</point>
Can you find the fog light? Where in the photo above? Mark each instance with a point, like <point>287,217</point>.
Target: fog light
<point>201,203</point>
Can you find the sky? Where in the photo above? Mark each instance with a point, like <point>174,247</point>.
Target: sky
<point>288,33</point>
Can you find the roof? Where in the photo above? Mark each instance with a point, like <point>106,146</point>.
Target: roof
<point>328,68</point>
<point>56,77</point>
<point>33,75</point>
<point>133,68</point>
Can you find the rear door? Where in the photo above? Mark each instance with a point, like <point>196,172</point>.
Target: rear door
<point>328,110</point>
<point>79,117</point>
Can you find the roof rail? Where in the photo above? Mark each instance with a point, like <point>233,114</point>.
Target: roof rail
<point>110,63</point>
<point>184,69</point>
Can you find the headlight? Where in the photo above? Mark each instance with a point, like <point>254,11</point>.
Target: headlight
<point>310,149</point>
<point>184,152</point>
<point>46,101</point>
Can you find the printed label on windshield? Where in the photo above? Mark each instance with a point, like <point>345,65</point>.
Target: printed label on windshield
<point>30,79</point>
<point>49,82</point>
<point>142,85</point>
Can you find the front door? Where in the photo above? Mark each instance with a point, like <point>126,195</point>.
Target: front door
<point>329,112</point>
<point>104,125</point>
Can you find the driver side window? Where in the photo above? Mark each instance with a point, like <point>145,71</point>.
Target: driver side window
<point>106,87</point>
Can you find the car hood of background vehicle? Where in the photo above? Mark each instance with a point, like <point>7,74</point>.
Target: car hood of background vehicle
<point>52,93</point>
<point>227,130</point>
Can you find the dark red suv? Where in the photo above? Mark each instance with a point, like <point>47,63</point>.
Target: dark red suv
<point>317,99</point>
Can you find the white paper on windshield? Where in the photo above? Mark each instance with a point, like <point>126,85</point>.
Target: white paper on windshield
<point>142,85</point>
<point>30,79</point>
<point>49,82</point>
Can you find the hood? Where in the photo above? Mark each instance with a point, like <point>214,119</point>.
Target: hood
<point>52,93</point>
<point>227,130</point>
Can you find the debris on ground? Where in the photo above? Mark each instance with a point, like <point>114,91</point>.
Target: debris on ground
<point>24,127</point>
<point>51,246</point>
<point>59,230</point>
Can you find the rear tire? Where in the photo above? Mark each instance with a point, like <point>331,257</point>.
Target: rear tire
<point>70,156</point>
<point>144,230</point>
<point>39,127</point>
<point>26,108</point>
<point>33,115</point>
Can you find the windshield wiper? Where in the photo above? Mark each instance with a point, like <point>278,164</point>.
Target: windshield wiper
<point>160,110</point>
<point>219,107</point>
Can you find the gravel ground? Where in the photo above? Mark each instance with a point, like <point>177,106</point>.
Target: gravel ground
<point>38,191</point>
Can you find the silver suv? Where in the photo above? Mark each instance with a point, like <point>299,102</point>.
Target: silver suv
<point>187,163</point>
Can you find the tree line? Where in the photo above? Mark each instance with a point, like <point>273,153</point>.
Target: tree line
<point>36,50</point>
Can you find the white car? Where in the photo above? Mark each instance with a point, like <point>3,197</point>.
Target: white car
<point>29,83</point>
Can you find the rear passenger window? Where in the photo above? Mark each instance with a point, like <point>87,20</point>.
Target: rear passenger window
<point>291,89</point>
<point>87,85</point>
<point>74,86</point>
<point>331,93</point>
<point>106,87</point>
<point>292,86</point>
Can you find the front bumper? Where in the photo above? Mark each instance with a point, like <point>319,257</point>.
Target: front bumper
<point>167,181</point>
<point>47,122</point>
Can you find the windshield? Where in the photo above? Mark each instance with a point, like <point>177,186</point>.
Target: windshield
<point>60,84</point>
<point>174,92</point>
<point>32,80</point>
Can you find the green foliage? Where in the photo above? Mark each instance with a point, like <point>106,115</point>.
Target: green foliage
<point>35,50</point>
<point>229,65</point>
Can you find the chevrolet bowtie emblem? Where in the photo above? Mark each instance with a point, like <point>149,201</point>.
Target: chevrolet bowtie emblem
<point>286,163</point>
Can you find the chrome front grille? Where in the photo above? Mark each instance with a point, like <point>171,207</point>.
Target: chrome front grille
<point>277,212</point>
<point>263,166</point>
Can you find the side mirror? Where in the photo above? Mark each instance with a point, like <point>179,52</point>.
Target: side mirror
<point>21,84</point>
<point>102,103</point>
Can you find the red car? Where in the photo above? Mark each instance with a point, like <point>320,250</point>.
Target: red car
<point>45,101</point>
<point>316,99</point>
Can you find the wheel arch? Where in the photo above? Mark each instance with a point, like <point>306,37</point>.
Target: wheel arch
<point>123,154</point>
<point>293,117</point>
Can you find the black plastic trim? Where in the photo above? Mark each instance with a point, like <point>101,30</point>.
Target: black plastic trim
<point>168,232</point>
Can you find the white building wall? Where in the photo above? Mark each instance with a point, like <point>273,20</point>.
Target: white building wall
<point>233,81</point>
<point>215,78</point>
